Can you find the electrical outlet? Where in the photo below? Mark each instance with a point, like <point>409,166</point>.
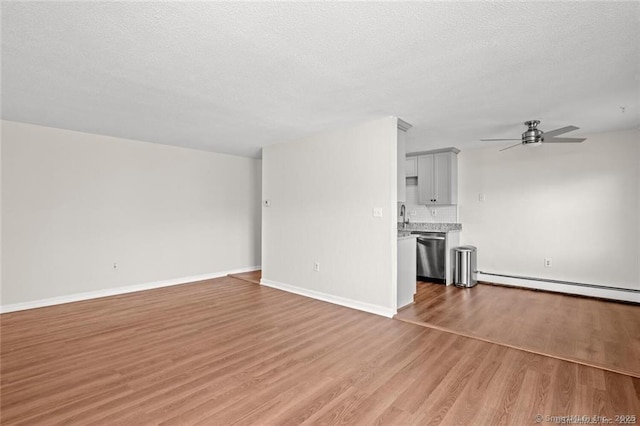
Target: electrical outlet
<point>413,213</point>
<point>481,198</point>
<point>434,212</point>
<point>377,212</point>
<point>316,266</point>
<point>547,262</point>
<point>115,265</point>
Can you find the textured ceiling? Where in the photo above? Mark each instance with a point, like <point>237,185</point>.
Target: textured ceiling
<point>234,77</point>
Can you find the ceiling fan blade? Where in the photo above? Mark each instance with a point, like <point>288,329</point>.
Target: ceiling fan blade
<point>512,146</point>
<point>560,131</point>
<point>563,140</point>
<point>500,139</point>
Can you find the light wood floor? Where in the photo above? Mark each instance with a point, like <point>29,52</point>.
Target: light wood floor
<point>252,277</point>
<point>227,351</point>
<point>591,331</point>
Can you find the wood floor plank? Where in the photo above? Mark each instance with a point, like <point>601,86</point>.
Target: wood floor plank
<point>229,351</point>
<point>594,332</point>
<point>469,405</point>
<point>252,277</point>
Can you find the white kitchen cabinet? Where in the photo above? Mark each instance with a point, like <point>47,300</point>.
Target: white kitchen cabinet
<point>411,167</point>
<point>406,270</point>
<point>438,177</point>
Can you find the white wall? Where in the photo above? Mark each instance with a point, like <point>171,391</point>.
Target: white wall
<point>74,203</point>
<point>577,204</point>
<point>322,191</point>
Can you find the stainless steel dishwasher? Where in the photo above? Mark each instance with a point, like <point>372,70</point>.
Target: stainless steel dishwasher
<point>431,251</point>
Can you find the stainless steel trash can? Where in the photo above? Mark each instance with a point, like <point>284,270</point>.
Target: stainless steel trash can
<point>465,266</point>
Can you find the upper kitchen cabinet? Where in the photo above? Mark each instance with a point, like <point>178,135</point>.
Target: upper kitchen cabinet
<point>438,177</point>
<point>411,167</point>
<point>403,126</point>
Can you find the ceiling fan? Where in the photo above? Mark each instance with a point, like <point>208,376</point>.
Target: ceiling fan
<point>533,136</point>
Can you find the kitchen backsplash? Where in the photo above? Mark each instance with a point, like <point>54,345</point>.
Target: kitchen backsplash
<point>424,214</point>
<point>443,214</point>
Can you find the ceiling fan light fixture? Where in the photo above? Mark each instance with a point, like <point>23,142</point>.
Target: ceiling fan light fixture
<point>535,137</point>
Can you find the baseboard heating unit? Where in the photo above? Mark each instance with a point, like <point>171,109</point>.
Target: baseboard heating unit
<point>571,287</point>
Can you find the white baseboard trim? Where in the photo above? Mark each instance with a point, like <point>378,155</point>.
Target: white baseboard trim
<point>325,297</point>
<point>612,294</point>
<point>77,297</point>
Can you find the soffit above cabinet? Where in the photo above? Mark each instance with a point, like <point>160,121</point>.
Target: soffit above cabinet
<point>435,151</point>
<point>403,125</point>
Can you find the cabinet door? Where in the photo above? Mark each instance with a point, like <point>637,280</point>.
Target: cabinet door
<point>411,167</point>
<point>444,180</point>
<point>425,179</point>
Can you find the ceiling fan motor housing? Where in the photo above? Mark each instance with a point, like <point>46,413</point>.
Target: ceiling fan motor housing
<point>532,135</point>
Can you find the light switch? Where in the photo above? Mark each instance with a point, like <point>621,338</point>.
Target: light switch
<point>377,212</point>
<point>267,203</point>
<point>481,198</point>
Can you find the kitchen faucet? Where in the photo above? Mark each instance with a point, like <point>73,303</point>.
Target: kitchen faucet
<point>405,219</point>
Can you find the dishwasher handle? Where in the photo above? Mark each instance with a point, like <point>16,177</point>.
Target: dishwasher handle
<point>429,237</point>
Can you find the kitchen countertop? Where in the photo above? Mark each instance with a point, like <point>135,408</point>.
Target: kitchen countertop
<point>433,227</point>
<point>403,236</point>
